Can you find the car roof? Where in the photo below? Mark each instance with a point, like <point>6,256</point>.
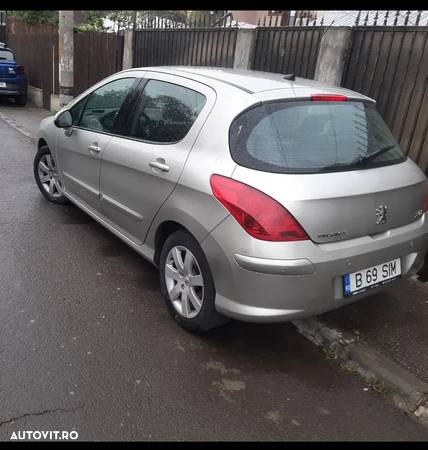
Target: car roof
<point>253,81</point>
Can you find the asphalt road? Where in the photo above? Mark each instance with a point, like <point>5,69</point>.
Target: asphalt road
<point>87,344</point>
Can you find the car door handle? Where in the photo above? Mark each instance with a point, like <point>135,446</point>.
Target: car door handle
<point>93,148</point>
<point>160,165</point>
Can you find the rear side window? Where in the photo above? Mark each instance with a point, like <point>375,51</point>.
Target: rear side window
<point>165,112</point>
<point>312,137</point>
<point>6,55</point>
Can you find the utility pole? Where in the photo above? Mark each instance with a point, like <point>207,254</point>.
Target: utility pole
<point>66,55</point>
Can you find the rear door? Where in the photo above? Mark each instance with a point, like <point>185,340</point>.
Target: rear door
<point>95,119</point>
<point>333,164</point>
<point>140,170</point>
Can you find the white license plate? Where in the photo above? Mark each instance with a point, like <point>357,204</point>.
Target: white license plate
<point>364,279</point>
<point>2,84</point>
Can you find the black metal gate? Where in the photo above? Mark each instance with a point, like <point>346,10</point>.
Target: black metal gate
<point>187,46</point>
<point>287,49</point>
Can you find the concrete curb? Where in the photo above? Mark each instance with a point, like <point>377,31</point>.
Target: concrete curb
<point>14,124</point>
<point>406,391</point>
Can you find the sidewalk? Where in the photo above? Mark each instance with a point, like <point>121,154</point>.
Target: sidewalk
<point>394,322</point>
<point>27,117</point>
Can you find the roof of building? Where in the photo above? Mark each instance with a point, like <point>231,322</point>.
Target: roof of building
<point>388,18</point>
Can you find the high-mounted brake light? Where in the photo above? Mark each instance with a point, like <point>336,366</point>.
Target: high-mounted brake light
<point>258,214</point>
<point>328,98</point>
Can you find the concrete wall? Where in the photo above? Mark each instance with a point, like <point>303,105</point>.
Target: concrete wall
<point>245,42</point>
<point>330,65</point>
<point>333,50</point>
<point>35,95</point>
<point>128,51</point>
<point>332,55</point>
<point>66,57</point>
<point>54,103</point>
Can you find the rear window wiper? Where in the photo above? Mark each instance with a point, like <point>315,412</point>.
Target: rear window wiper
<point>360,160</point>
<point>354,163</point>
<point>378,152</point>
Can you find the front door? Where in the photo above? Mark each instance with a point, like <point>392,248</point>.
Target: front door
<point>79,153</point>
<point>139,171</point>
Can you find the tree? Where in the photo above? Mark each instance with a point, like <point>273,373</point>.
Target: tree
<point>94,21</point>
<point>38,16</point>
<point>174,15</point>
<point>205,16</point>
<point>122,20</point>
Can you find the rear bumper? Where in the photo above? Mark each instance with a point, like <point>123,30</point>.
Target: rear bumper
<point>13,87</point>
<point>301,279</point>
<point>12,92</point>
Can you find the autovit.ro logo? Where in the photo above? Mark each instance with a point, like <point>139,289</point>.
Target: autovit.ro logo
<point>45,435</point>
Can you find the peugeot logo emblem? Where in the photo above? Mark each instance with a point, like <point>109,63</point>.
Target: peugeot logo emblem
<point>381,214</point>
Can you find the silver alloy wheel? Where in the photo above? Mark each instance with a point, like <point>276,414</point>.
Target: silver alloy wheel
<point>184,282</point>
<point>48,176</point>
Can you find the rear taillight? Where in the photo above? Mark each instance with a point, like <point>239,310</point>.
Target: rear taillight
<point>328,98</point>
<point>258,214</point>
<point>20,69</point>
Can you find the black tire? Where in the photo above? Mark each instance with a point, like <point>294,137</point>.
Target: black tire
<point>59,199</point>
<point>21,100</point>
<point>207,317</point>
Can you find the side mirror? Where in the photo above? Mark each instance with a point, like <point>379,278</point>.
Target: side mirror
<point>64,120</point>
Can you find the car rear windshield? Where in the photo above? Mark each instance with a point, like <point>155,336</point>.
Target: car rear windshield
<point>312,137</point>
<point>6,55</point>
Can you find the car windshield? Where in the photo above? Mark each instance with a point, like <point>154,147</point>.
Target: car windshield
<point>312,137</point>
<point>6,55</point>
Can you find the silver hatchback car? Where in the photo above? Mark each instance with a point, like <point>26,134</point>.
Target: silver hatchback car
<point>259,196</point>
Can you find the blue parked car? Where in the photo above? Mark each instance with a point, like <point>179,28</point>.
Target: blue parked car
<point>13,81</point>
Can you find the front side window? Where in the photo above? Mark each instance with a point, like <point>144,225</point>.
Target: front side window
<point>76,111</point>
<point>6,55</point>
<point>103,105</point>
<point>165,112</point>
<point>312,137</point>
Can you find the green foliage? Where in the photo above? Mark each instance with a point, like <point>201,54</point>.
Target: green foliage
<point>351,366</point>
<point>93,21</point>
<point>378,386</point>
<point>125,20</point>
<point>122,20</point>
<point>38,16</point>
<point>201,15</point>
<point>175,15</point>
<point>331,351</point>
